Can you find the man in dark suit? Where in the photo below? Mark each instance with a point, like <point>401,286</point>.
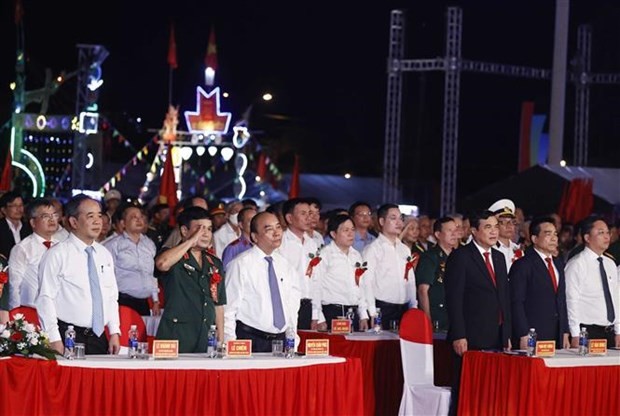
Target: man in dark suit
<point>538,289</point>
<point>12,227</point>
<point>477,296</point>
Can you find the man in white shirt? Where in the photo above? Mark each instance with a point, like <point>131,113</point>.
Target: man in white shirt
<point>390,279</point>
<point>314,218</point>
<point>261,288</point>
<point>504,211</point>
<point>592,288</point>
<point>77,285</point>
<point>25,256</point>
<point>62,233</point>
<point>230,231</point>
<point>303,254</point>
<point>134,263</point>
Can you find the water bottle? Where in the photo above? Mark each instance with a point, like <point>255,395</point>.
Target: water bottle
<point>583,342</point>
<point>212,342</point>
<point>132,342</point>
<point>70,343</point>
<point>531,342</point>
<point>377,328</point>
<point>289,343</point>
<point>351,317</point>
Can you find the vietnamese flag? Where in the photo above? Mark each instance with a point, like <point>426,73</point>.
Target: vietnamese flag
<point>211,56</point>
<point>294,189</point>
<point>5,180</point>
<point>172,50</point>
<point>168,186</point>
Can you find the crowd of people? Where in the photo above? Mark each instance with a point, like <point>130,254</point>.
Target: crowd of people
<point>485,278</point>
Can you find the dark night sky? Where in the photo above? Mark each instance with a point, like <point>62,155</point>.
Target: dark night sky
<point>325,64</point>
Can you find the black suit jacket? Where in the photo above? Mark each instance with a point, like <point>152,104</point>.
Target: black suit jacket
<point>535,304</point>
<point>474,303</point>
<point>6,236</point>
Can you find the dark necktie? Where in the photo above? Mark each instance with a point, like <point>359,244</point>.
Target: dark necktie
<point>95,292</point>
<point>47,244</point>
<point>611,315</point>
<point>554,280</point>
<point>276,299</point>
<point>489,267</point>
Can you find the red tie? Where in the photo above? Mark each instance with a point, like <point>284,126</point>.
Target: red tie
<point>47,244</point>
<point>489,267</point>
<point>554,280</point>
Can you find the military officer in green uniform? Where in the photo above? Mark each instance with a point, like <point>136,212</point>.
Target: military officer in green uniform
<point>431,269</point>
<point>193,281</point>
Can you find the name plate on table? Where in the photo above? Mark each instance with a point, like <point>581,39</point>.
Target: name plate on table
<point>545,348</point>
<point>341,326</point>
<point>317,347</point>
<point>239,348</point>
<point>597,347</point>
<point>165,349</point>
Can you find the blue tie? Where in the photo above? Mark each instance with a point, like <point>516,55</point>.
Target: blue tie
<point>95,293</point>
<point>276,300</point>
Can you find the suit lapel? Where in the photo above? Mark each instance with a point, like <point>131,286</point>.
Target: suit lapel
<point>478,259</point>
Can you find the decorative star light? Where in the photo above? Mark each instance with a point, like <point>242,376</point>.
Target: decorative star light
<point>207,119</point>
<point>241,136</point>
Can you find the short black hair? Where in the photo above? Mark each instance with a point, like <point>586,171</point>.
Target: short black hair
<point>254,222</point>
<point>159,207</point>
<point>35,204</point>
<point>474,220</point>
<point>383,210</point>
<point>289,205</point>
<point>439,222</point>
<point>356,204</point>
<point>9,197</point>
<point>588,223</point>
<point>73,206</point>
<point>249,202</point>
<point>336,220</point>
<point>314,201</point>
<point>192,214</point>
<point>537,222</point>
<point>125,206</point>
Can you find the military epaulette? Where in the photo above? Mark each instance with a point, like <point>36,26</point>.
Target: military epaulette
<point>611,256</point>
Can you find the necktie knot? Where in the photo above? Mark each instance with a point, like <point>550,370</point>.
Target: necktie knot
<point>269,259</point>
<point>47,244</point>
<point>600,260</point>
<point>548,260</point>
<point>89,249</point>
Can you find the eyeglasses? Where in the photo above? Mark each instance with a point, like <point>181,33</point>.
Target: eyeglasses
<point>47,217</point>
<point>363,214</point>
<point>14,205</point>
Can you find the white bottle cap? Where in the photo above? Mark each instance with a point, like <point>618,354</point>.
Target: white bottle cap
<point>69,326</point>
<point>532,330</point>
<point>133,327</point>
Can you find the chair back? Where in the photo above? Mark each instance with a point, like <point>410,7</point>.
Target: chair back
<point>130,317</point>
<point>29,313</point>
<point>416,347</point>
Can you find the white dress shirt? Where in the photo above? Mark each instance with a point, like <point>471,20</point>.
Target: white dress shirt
<point>248,297</point>
<point>317,237</point>
<point>24,269</point>
<point>338,283</point>
<point>15,230</point>
<point>134,264</point>
<point>297,252</point>
<point>585,301</point>
<point>508,252</point>
<point>223,237</point>
<point>61,234</point>
<point>385,278</point>
<point>64,288</point>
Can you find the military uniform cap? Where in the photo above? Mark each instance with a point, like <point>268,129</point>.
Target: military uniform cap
<point>503,208</point>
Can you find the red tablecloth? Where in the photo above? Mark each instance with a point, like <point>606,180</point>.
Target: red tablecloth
<point>381,367</point>
<point>499,384</point>
<point>34,387</point>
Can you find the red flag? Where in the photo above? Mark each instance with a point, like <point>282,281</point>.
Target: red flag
<point>168,186</point>
<point>577,200</point>
<point>261,166</point>
<point>294,189</point>
<point>527,110</point>
<point>5,181</point>
<point>211,56</point>
<point>172,49</point>
<point>19,11</point>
